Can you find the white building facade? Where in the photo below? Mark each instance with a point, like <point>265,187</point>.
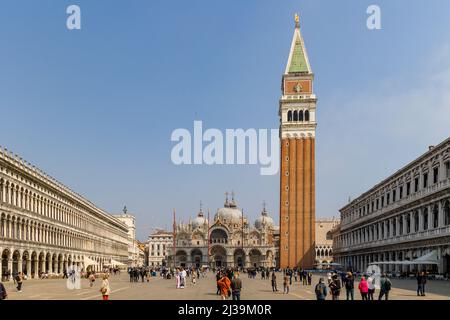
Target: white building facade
<point>324,240</point>
<point>45,227</point>
<point>159,244</point>
<point>133,246</point>
<point>404,217</point>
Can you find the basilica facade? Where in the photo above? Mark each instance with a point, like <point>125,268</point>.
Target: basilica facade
<point>228,241</point>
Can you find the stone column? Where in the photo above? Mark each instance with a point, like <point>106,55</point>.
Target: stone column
<point>430,218</point>
<point>413,222</point>
<point>391,227</point>
<point>441,214</point>
<point>10,267</point>
<point>420,219</point>
<point>405,228</point>
<point>28,268</point>
<point>36,268</point>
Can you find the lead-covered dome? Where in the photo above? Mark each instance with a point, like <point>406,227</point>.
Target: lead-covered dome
<point>229,213</point>
<point>199,221</point>
<point>264,220</point>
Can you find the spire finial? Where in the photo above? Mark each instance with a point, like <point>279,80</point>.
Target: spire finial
<point>125,210</point>
<point>226,199</point>
<point>297,20</point>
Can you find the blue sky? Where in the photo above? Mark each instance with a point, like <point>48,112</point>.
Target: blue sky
<point>95,107</point>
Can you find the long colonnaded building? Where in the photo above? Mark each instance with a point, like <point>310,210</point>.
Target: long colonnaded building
<point>45,227</point>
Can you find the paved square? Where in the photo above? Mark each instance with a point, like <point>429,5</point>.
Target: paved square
<point>205,289</point>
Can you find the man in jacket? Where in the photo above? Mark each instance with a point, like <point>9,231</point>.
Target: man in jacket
<point>350,286</point>
<point>421,281</point>
<point>236,287</point>
<point>385,287</point>
<point>321,290</point>
<point>3,293</point>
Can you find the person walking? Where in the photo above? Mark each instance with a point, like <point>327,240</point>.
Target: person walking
<point>350,286</point>
<point>224,284</point>
<point>105,288</point>
<point>363,288</point>
<point>309,278</point>
<point>371,286</point>
<point>236,287</point>
<point>335,287</point>
<point>19,281</point>
<point>421,280</point>
<point>329,277</point>
<point>218,277</point>
<point>91,279</point>
<point>183,275</point>
<point>321,290</point>
<point>385,287</point>
<point>274,282</point>
<point>286,284</point>
<point>194,278</point>
<point>3,294</point>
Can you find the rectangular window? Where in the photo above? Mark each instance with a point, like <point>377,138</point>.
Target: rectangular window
<point>388,198</point>
<point>416,184</point>
<point>436,175</point>
<point>447,169</point>
<point>425,180</point>
<point>394,195</point>
<point>400,193</point>
<point>378,203</point>
<point>382,201</point>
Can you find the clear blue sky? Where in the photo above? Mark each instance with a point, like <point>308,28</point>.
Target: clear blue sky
<point>95,108</point>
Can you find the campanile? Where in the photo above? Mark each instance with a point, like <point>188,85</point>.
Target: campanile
<point>297,176</point>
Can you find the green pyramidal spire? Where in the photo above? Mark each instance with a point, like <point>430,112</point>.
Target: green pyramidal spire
<point>298,57</point>
<point>298,61</point>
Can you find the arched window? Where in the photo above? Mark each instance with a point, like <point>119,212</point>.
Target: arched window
<point>307,115</point>
<point>289,115</point>
<point>295,115</point>
<point>300,115</point>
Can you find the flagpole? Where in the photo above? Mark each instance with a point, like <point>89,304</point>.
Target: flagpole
<point>174,226</point>
<point>209,263</point>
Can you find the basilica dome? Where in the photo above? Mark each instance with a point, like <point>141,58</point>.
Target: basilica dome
<point>199,221</point>
<point>230,213</point>
<point>264,221</point>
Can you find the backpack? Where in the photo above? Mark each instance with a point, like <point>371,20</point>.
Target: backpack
<point>387,285</point>
<point>319,290</point>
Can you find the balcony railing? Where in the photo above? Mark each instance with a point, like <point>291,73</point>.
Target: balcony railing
<point>421,235</point>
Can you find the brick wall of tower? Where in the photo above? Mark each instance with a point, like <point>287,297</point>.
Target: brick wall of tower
<point>297,203</point>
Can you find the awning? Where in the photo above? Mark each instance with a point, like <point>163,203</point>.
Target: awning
<point>116,263</point>
<point>429,258</point>
<point>89,262</point>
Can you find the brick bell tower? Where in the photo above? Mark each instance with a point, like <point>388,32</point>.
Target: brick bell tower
<point>297,176</point>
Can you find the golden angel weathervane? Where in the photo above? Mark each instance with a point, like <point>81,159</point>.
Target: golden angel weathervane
<point>297,20</point>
